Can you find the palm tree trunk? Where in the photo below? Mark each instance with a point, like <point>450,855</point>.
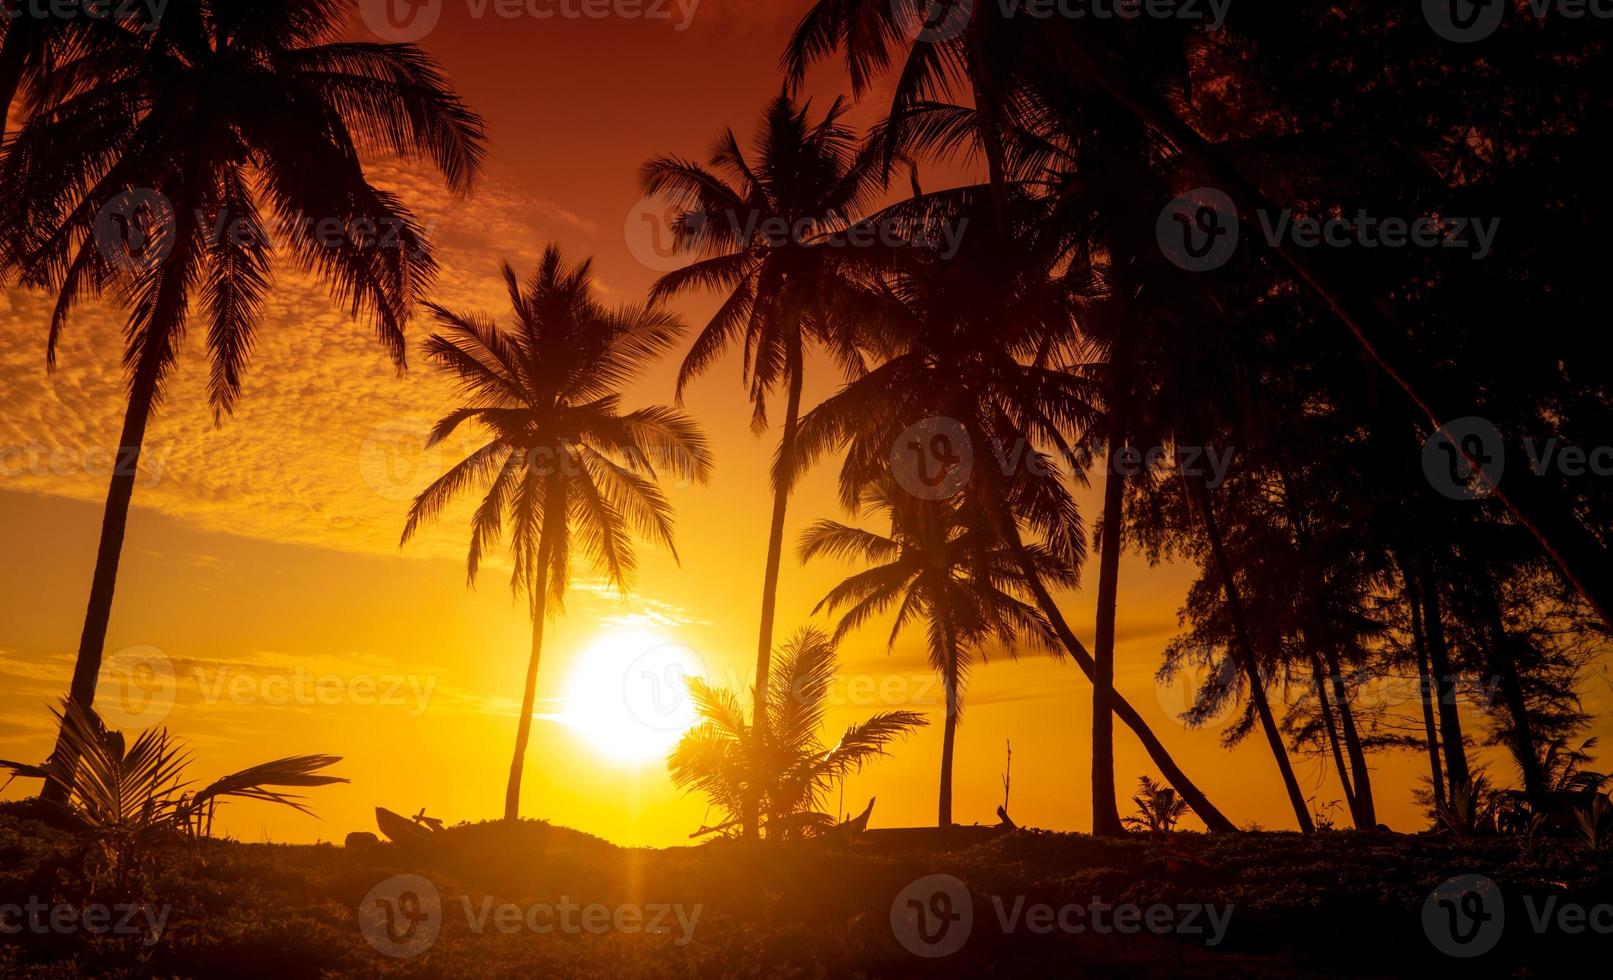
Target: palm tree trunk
<point>1352,744</point>
<point>1505,668</point>
<point>1579,556</point>
<point>1450,721</point>
<point>1105,811</point>
<point>167,313</point>
<point>540,605</point>
<point>948,741</point>
<point>1326,703</point>
<point>783,478</point>
<point>1003,516</point>
<point>1425,684</point>
<point>954,707</point>
<point>1251,666</point>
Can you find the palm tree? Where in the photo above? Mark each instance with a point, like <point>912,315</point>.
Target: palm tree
<point>1158,807</point>
<point>981,338</point>
<point>222,111</point>
<point>763,230</point>
<point>562,464</point>
<point>940,566</point>
<point>788,768</point>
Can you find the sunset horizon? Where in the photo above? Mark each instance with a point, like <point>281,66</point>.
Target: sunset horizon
<point>494,323</point>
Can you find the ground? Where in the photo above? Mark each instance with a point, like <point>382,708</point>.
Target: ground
<point>1337,903</point>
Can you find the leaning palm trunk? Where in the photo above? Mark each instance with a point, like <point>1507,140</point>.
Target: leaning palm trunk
<point>782,482</point>
<point>1346,781</point>
<point>168,313</point>
<point>949,737</point>
<point>1450,721</point>
<point>1425,686</point>
<point>1105,811</point>
<point>1251,666</point>
<point>1504,667</point>
<point>1581,559</point>
<point>1008,528</point>
<point>1367,819</point>
<point>523,730</point>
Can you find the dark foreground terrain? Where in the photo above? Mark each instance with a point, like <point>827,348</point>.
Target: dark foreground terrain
<point>535,900</point>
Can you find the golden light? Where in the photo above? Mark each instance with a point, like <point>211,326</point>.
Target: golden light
<point>627,695</point>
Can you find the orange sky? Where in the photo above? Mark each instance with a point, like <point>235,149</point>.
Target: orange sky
<point>265,551</point>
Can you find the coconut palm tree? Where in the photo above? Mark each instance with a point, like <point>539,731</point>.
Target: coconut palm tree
<point>940,567</point>
<point>563,465</point>
<point>980,341</point>
<point>764,230</point>
<point>155,176</point>
<point>788,768</point>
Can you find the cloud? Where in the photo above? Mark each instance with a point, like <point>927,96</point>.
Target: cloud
<point>326,447</point>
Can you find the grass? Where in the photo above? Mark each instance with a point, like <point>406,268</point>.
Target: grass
<point>1336,903</point>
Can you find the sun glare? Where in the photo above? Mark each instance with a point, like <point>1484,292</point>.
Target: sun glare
<point>627,697</point>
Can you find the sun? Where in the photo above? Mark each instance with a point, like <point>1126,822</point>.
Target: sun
<point>627,698</point>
